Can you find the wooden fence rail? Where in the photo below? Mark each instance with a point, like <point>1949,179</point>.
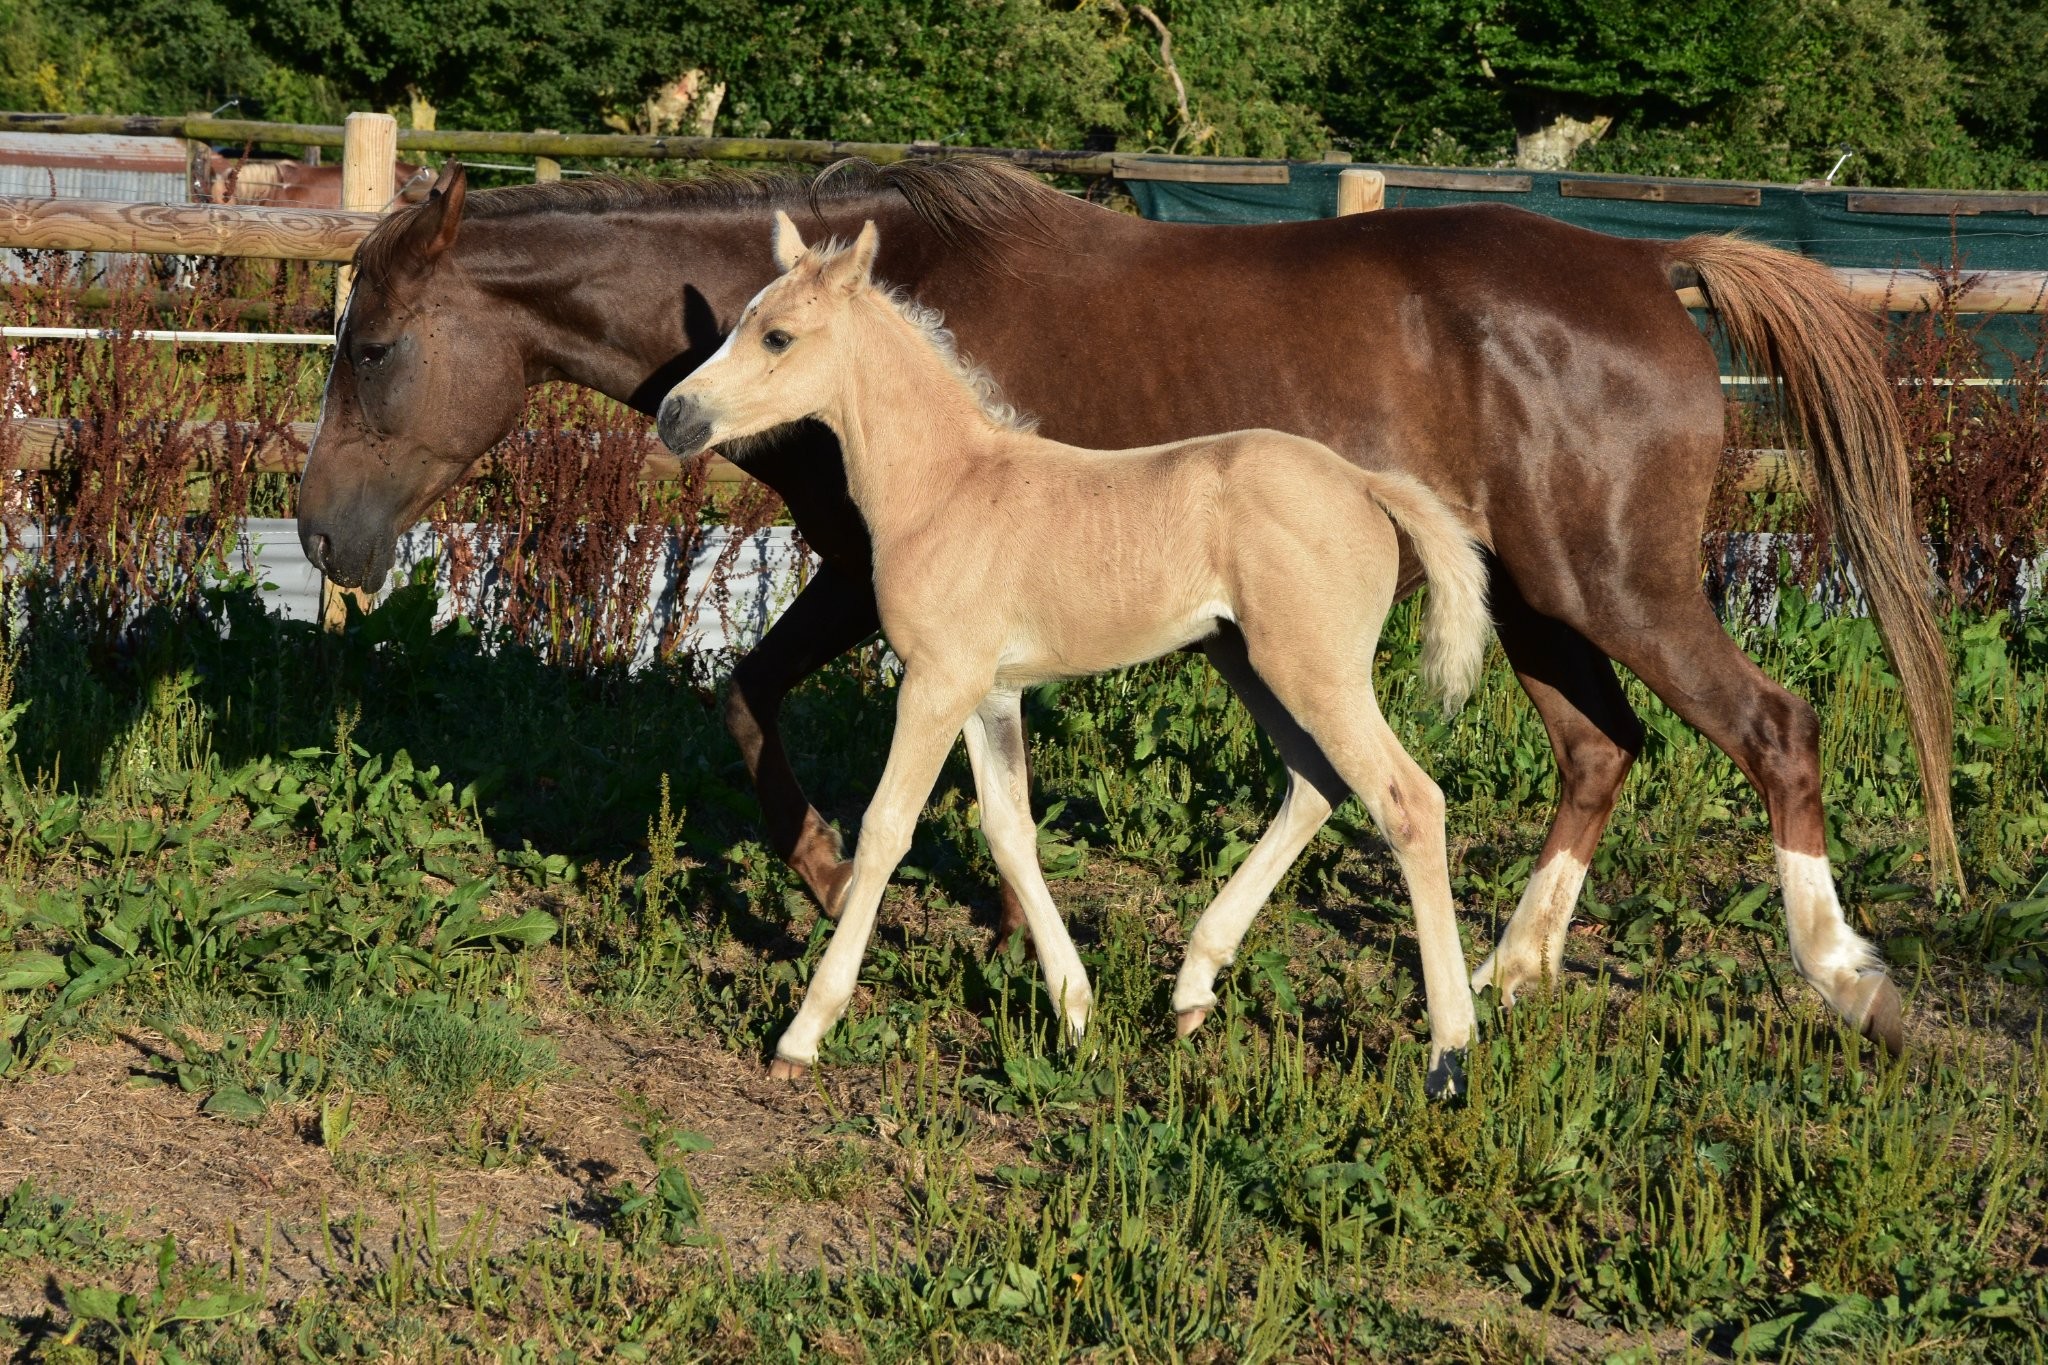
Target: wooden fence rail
<point>285,234</point>
<point>627,146</point>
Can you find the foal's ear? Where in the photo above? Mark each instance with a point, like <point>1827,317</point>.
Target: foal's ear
<point>861,260</point>
<point>789,243</point>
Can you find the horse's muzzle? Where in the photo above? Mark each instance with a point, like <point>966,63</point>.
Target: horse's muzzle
<point>351,553</point>
<point>684,427</point>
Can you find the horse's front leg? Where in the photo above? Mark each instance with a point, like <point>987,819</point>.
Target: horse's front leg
<point>834,612</point>
<point>929,713</point>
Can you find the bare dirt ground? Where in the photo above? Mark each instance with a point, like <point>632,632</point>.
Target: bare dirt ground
<point>143,1157</point>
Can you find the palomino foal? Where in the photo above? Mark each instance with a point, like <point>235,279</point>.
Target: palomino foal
<point>1003,560</point>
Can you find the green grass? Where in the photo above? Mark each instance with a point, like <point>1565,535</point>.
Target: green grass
<point>397,866</point>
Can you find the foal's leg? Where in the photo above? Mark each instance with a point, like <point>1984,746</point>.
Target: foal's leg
<point>1313,789</point>
<point>929,714</point>
<point>1595,737</point>
<point>1774,738</point>
<point>1213,942</point>
<point>1408,807</point>
<point>834,612</point>
<point>995,746</point>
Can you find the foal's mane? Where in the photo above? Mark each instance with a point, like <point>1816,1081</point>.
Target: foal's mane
<point>988,395</point>
<point>974,204</point>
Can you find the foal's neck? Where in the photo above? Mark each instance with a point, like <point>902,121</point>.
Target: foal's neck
<point>906,419</point>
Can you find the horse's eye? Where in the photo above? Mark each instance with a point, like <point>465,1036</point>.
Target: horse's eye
<point>777,341</point>
<point>374,353</point>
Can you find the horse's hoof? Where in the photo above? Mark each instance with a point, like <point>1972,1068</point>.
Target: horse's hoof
<point>1010,922</point>
<point>831,888</point>
<point>1187,1021</point>
<point>1884,1016</point>
<point>783,1069</point>
<point>1446,1078</point>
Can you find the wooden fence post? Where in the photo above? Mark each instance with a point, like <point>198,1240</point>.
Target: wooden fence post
<point>369,147</point>
<point>1361,190</point>
<point>546,168</point>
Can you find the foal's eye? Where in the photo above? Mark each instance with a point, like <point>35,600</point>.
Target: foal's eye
<point>374,353</point>
<point>777,341</point>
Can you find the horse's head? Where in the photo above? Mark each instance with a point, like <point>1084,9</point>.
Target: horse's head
<point>784,360</point>
<point>419,390</point>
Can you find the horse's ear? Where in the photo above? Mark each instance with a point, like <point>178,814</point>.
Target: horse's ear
<point>789,243</point>
<point>433,231</point>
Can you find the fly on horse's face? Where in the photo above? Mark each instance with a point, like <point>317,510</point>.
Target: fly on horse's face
<point>412,401</point>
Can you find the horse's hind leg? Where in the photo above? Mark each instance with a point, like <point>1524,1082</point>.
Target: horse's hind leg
<point>1345,721</point>
<point>995,747</point>
<point>1774,738</point>
<point>1313,788</point>
<point>1595,737</point>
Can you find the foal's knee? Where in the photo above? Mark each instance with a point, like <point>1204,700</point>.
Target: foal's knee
<point>1001,824</point>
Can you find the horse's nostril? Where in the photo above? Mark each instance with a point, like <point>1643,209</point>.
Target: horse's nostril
<point>319,556</point>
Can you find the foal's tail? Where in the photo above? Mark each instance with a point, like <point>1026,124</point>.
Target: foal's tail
<point>1455,626</point>
<point>1787,318</point>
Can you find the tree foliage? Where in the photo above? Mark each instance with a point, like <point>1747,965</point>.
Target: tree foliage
<point>1936,92</point>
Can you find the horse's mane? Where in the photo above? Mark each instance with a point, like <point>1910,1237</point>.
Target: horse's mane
<point>972,203</point>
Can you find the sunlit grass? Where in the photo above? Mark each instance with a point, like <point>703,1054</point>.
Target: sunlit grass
<point>324,869</point>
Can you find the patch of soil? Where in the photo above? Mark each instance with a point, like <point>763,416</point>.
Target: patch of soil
<point>148,1160</point>
<point>1502,1327</point>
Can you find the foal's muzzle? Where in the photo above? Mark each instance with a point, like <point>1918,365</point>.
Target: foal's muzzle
<point>684,427</point>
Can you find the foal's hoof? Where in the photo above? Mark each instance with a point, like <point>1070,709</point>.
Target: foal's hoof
<point>783,1069</point>
<point>1501,977</point>
<point>1446,1078</point>
<point>1187,1021</point>
<point>1883,1013</point>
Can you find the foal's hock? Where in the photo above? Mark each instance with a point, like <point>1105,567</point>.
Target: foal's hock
<point>1003,559</point>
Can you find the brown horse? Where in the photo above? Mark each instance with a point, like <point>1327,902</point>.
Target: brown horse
<point>280,182</point>
<point>1543,380</point>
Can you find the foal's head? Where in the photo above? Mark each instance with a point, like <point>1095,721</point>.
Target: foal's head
<point>785,359</point>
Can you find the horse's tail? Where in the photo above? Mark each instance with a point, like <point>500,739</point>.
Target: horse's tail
<point>1787,318</point>
<point>1455,625</point>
